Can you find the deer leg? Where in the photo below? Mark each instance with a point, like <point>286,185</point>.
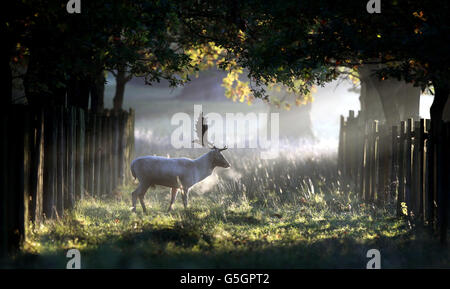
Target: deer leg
<point>174,196</point>
<point>138,193</point>
<point>134,195</point>
<point>141,200</point>
<point>184,195</point>
<point>141,197</point>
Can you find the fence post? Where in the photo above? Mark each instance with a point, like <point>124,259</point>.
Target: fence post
<point>415,199</point>
<point>409,196</point>
<point>4,182</point>
<point>102,155</point>
<point>401,168</point>
<point>116,139</point>
<point>447,179</point>
<point>110,170</point>
<point>358,152</point>
<point>19,162</point>
<point>383,165</point>
<point>40,172</point>
<point>341,145</point>
<point>87,150</point>
<point>60,178</point>
<point>131,135</point>
<point>126,152</point>
<point>350,146</point>
<point>71,152</point>
<point>15,182</point>
<point>121,169</point>
<point>430,179</point>
<point>445,206</point>
<point>362,161</point>
<point>97,151</point>
<point>108,155</point>
<point>441,182</point>
<point>19,175</point>
<point>92,164</point>
<point>15,166</point>
<point>387,150</point>
<point>373,160</point>
<point>369,161</point>
<point>37,166</point>
<point>415,174</point>
<point>50,161</point>
<point>28,138</point>
<point>81,144</point>
<point>366,162</point>
<point>421,168</point>
<point>394,164</point>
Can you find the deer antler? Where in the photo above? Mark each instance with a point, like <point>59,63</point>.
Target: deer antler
<point>222,149</point>
<point>200,128</point>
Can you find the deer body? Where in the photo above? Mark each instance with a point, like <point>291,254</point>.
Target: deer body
<point>177,174</point>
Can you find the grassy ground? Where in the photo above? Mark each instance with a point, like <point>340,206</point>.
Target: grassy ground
<point>319,232</point>
<point>287,212</point>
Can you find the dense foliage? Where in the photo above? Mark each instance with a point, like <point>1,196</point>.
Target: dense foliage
<point>296,43</point>
<point>68,52</point>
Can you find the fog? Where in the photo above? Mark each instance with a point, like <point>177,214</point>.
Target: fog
<point>330,101</point>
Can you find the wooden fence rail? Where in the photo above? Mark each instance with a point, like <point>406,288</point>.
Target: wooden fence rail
<point>50,158</point>
<point>399,164</point>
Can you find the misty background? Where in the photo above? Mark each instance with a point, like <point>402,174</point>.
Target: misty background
<point>155,104</point>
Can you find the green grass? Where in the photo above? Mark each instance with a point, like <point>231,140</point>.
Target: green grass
<point>287,212</point>
<point>314,234</point>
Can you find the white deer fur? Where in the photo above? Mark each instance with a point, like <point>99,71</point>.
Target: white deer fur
<point>177,174</point>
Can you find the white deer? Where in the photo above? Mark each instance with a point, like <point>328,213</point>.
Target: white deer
<point>177,173</point>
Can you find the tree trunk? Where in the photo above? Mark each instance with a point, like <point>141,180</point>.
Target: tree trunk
<point>121,80</point>
<point>6,81</point>
<point>409,101</point>
<point>441,95</point>
<point>78,92</point>
<point>98,92</point>
<point>29,82</point>
<point>388,97</point>
<point>41,83</point>
<point>398,100</point>
<point>369,99</point>
<point>83,99</point>
<point>446,112</point>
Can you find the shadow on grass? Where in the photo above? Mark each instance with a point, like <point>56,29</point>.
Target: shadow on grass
<point>190,243</point>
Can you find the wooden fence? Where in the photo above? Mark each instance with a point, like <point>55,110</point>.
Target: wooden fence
<point>399,164</point>
<point>52,157</point>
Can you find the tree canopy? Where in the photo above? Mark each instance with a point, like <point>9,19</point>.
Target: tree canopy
<point>295,43</point>
<point>60,48</point>
<point>311,39</point>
